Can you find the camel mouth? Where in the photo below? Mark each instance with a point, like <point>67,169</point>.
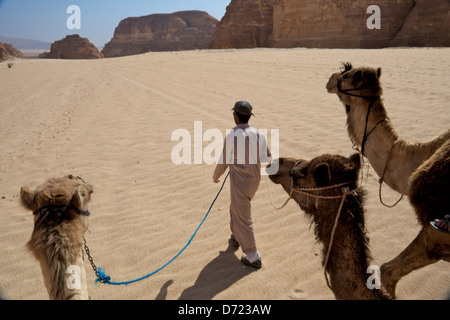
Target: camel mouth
<point>328,87</point>
<point>332,84</point>
<point>331,88</point>
<point>269,169</point>
<point>274,177</point>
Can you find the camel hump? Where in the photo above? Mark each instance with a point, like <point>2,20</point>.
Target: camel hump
<point>429,186</point>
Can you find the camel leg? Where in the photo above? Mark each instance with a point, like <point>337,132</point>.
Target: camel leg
<point>428,247</point>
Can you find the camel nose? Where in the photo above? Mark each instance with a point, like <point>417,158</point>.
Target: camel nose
<point>332,84</point>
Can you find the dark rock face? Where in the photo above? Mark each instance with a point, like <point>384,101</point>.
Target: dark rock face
<point>332,24</point>
<point>427,25</point>
<point>72,47</point>
<point>184,30</point>
<point>337,24</point>
<point>246,24</point>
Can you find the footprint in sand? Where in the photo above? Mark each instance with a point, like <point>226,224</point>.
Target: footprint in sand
<point>297,294</point>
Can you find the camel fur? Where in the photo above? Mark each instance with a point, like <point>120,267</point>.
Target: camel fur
<point>349,256</point>
<point>57,238</point>
<point>420,171</point>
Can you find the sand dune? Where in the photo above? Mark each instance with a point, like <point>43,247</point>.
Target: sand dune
<point>110,121</point>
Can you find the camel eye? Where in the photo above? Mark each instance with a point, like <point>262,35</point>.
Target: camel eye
<point>300,172</point>
<point>304,171</point>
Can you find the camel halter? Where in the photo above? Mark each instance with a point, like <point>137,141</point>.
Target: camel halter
<point>44,212</point>
<point>372,100</point>
<point>308,191</point>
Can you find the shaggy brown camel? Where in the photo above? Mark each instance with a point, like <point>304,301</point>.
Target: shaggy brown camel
<point>331,177</point>
<point>60,221</point>
<point>420,170</point>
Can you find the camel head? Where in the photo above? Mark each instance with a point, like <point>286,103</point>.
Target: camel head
<point>68,191</point>
<point>60,221</point>
<point>351,84</point>
<point>323,171</point>
<point>349,256</point>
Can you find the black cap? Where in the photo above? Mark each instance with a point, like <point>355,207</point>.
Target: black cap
<point>243,107</point>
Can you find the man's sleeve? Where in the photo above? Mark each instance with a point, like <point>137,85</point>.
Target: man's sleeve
<point>265,155</point>
<point>222,165</point>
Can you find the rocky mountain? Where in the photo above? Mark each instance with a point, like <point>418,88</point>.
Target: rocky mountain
<point>246,24</point>
<point>184,30</point>
<point>7,51</point>
<point>72,47</point>
<point>333,24</point>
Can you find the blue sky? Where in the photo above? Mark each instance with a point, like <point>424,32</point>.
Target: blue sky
<point>45,20</point>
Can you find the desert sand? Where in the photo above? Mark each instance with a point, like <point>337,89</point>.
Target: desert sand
<point>110,121</point>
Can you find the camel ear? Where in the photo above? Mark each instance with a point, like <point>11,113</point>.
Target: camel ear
<point>27,197</point>
<point>379,72</point>
<point>80,198</point>
<point>322,174</point>
<point>354,163</point>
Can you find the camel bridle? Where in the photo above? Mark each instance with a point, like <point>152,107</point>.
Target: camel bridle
<point>44,212</point>
<point>372,101</point>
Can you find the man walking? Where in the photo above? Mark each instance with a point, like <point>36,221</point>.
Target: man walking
<point>244,149</point>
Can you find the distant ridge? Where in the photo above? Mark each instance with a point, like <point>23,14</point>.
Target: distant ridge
<point>26,44</point>
<point>182,30</point>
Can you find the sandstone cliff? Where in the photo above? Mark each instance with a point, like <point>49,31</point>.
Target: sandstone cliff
<point>246,24</point>
<point>337,24</point>
<point>7,51</point>
<point>427,25</point>
<point>184,30</point>
<point>332,24</point>
<point>72,47</point>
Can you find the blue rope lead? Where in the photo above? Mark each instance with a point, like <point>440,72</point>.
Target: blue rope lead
<point>103,278</point>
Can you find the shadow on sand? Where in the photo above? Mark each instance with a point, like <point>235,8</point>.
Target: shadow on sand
<point>216,276</point>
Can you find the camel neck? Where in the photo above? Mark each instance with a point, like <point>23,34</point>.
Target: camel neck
<point>366,122</point>
<point>379,146</point>
<point>347,269</point>
<point>395,163</point>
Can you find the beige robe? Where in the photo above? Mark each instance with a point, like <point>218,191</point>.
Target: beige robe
<point>244,149</point>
